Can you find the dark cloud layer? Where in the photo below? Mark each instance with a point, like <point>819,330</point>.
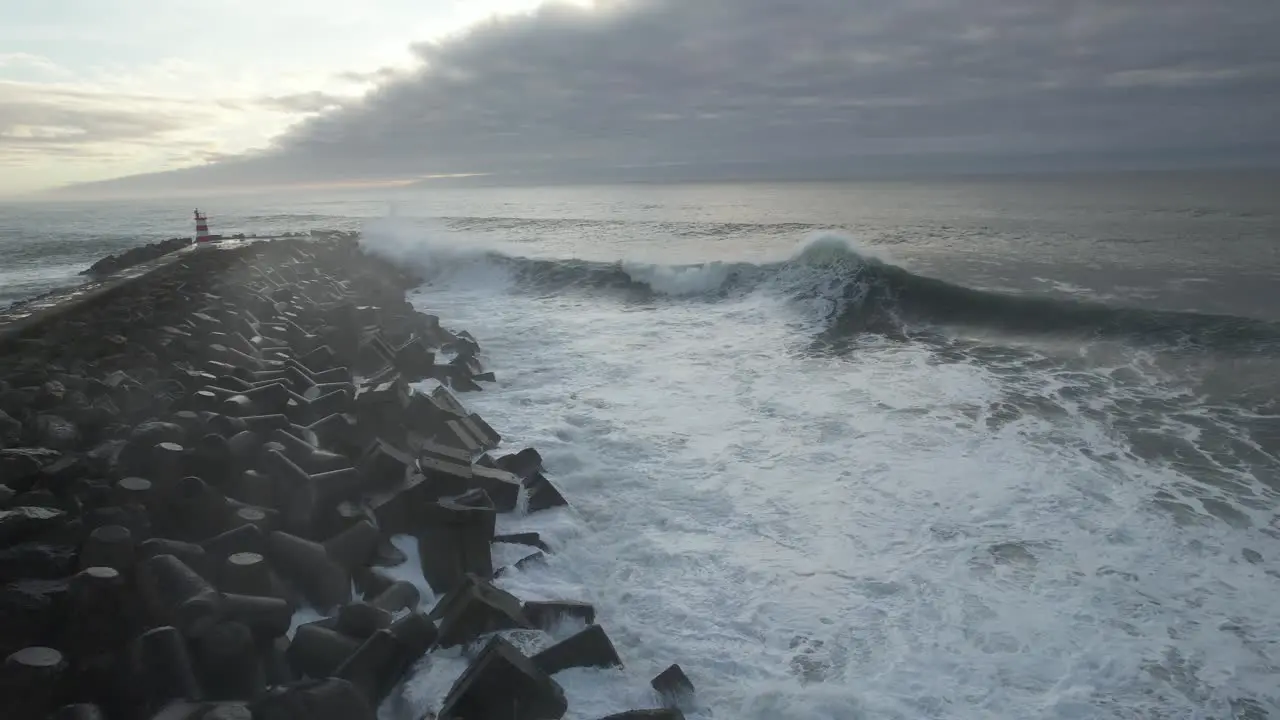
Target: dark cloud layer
<point>645,82</point>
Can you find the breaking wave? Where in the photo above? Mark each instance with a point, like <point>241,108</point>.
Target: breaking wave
<point>854,290</point>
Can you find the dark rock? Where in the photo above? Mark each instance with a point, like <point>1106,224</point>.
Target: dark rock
<point>31,682</point>
<point>10,430</point>
<point>18,523</point>
<point>229,664</point>
<point>150,434</point>
<point>474,608</point>
<point>379,664</point>
<point>544,614</point>
<point>397,596</point>
<point>588,648</point>
<point>542,494</point>
<point>400,510</point>
<point>659,714</point>
<point>249,573</point>
<point>164,669</point>
<point>241,538</point>
<point>275,661</point>
<point>456,540</point>
<point>329,699</point>
<point>384,466</point>
<point>109,546</point>
<point>177,595</point>
<point>78,711</point>
<point>673,685</point>
<point>483,431</point>
<point>267,617</point>
<point>387,555</point>
<point>532,539</point>
<point>226,711</point>
<point>308,567</point>
<point>361,619</point>
<point>524,464</point>
<point>445,477</point>
<point>455,434</point>
<point>353,547</point>
<point>501,486</point>
<point>29,611</point>
<point>190,554</point>
<point>318,651</point>
<point>135,491</point>
<point>502,684</point>
<point>36,560</point>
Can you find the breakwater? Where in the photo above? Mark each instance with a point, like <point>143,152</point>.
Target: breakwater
<point>199,451</point>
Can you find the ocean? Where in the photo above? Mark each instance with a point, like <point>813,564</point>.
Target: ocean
<point>965,448</point>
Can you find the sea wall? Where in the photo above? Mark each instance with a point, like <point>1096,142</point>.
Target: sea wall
<point>199,451</point>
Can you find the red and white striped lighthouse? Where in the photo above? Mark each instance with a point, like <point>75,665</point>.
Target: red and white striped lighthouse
<point>202,229</point>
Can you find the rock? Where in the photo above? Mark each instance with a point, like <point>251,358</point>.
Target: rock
<point>673,685</point>
<point>329,699</point>
<point>524,464</point>
<point>20,466</point>
<point>18,523</point>
<point>36,560</point>
<point>164,666</point>
<point>380,663</point>
<point>78,711</point>
<point>502,684</point>
<point>387,555</point>
<point>102,616</point>
<point>176,595</point>
<point>456,540</point>
<point>397,596</point>
<point>109,546</point>
<point>150,434</point>
<point>190,554</point>
<point>531,539</point>
<point>661,714</point>
<point>318,651</point>
<point>30,683</point>
<point>230,668</point>
<point>483,431</point>
<point>249,573</point>
<point>542,494</point>
<point>588,648</point>
<point>1253,556</point>
<point>361,619</point>
<point>308,567</point>
<point>29,611</point>
<point>501,486</point>
<point>384,467</point>
<point>455,433</point>
<point>445,477</point>
<point>544,614</point>
<point>474,608</point>
<point>267,617</point>
<point>10,430</point>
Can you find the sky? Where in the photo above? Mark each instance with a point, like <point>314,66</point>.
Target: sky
<point>157,95</point>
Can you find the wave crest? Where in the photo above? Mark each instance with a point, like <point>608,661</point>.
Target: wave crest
<point>852,289</point>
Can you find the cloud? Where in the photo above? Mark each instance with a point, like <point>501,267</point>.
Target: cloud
<point>53,118</point>
<point>647,82</point>
<point>308,102</point>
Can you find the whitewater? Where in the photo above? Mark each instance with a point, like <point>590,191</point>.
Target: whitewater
<point>800,481</point>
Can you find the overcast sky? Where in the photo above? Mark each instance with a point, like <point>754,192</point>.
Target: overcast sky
<point>325,91</point>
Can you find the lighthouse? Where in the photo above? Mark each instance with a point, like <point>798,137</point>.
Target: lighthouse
<point>203,237</point>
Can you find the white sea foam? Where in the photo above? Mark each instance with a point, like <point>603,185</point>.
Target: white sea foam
<point>870,536</point>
